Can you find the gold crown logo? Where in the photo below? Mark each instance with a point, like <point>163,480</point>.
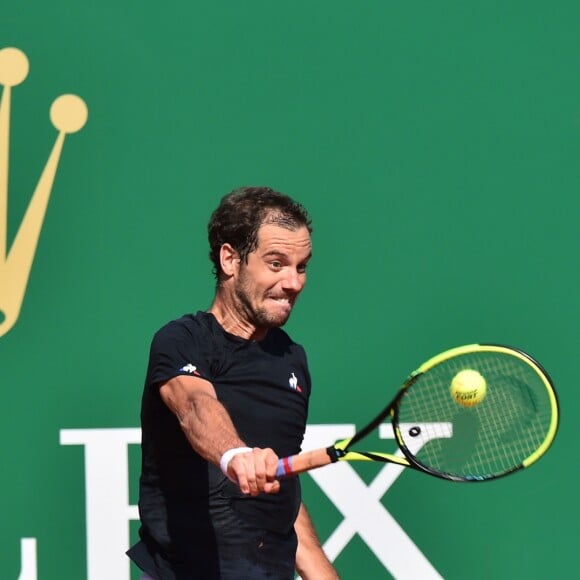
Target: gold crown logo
<point>68,114</point>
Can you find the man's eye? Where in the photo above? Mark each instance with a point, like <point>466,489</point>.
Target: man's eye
<point>302,268</point>
<point>276,264</point>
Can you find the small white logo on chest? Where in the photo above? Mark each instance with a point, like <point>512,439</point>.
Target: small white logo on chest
<point>293,382</point>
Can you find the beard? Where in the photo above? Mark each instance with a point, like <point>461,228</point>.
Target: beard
<point>260,317</point>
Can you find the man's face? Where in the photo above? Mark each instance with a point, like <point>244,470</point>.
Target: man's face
<point>269,284</point>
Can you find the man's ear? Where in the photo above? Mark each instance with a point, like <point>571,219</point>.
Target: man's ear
<point>229,260</point>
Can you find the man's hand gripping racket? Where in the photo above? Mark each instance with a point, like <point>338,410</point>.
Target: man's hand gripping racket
<point>472,413</point>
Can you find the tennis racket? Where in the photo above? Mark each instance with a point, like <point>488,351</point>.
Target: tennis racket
<point>441,431</point>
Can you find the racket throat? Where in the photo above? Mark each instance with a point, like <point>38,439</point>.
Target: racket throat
<point>334,453</point>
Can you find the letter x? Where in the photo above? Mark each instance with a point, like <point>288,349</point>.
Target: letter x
<point>361,506</point>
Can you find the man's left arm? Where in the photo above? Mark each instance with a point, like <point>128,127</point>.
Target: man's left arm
<point>311,561</point>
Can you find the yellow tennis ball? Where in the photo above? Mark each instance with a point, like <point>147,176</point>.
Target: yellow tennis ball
<point>468,388</point>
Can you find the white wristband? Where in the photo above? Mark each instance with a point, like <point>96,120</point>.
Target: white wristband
<point>228,456</point>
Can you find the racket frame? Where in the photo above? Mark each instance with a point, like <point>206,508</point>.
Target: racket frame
<point>341,450</point>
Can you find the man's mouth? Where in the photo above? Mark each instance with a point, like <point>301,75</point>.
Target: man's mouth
<point>284,300</point>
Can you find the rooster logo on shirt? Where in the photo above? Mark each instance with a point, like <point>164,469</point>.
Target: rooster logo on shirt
<point>293,382</point>
<point>191,369</point>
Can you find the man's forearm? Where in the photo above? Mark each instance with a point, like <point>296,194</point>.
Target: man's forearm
<point>211,432</point>
<point>208,428</point>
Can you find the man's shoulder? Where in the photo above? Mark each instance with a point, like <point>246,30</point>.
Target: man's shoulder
<point>188,324</point>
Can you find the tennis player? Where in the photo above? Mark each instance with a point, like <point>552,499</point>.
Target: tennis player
<point>226,394</point>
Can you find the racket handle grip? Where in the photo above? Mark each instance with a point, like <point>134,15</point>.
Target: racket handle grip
<point>295,464</point>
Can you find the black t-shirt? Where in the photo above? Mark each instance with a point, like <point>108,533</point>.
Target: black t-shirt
<point>187,506</point>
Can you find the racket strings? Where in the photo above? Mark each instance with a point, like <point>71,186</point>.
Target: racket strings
<point>487,439</point>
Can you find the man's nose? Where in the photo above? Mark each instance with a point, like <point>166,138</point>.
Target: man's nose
<point>294,280</point>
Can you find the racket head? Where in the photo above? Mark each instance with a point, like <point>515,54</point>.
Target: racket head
<point>508,430</point>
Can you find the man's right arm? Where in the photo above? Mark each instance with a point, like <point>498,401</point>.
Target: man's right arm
<point>211,432</point>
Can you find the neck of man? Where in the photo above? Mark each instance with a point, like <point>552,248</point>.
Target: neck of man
<point>230,315</point>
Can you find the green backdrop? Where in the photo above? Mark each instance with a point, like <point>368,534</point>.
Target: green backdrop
<point>436,145</point>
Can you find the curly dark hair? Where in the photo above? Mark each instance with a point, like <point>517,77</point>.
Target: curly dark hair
<point>240,214</point>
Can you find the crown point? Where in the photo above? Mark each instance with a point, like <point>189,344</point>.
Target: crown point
<point>13,66</point>
<point>69,113</point>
